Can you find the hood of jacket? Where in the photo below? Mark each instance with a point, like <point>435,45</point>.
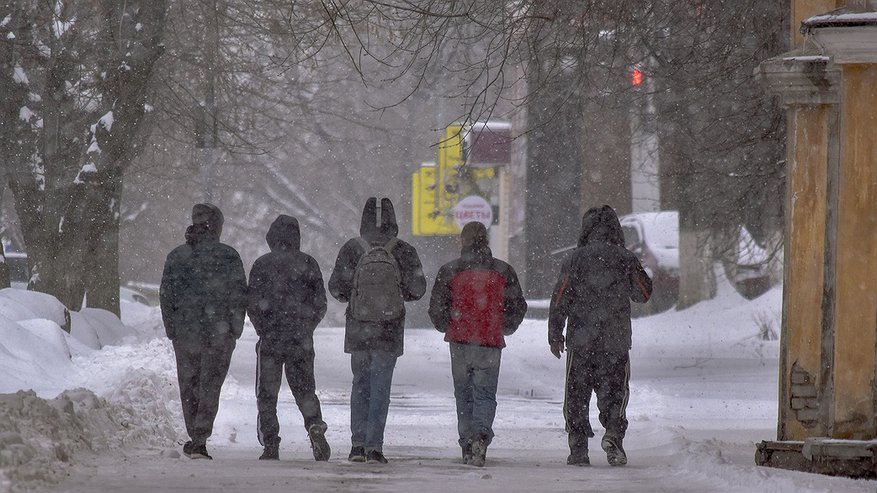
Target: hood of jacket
<point>200,233</point>
<point>601,224</point>
<point>284,234</point>
<point>371,229</point>
<point>474,240</point>
<point>206,225</point>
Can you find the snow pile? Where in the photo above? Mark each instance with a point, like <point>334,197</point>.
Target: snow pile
<point>40,433</point>
<point>98,328</point>
<point>40,438</point>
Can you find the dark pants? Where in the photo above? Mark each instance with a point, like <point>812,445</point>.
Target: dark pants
<point>298,362</point>
<point>201,370</point>
<point>607,375</point>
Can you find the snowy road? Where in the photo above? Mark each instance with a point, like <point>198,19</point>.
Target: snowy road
<point>694,423</point>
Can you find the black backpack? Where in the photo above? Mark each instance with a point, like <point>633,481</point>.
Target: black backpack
<point>377,285</point>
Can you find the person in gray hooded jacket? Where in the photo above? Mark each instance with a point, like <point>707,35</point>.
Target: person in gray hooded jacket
<point>374,345</point>
<point>203,303</point>
<point>286,301</point>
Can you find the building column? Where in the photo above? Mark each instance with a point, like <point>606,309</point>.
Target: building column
<point>807,87</point>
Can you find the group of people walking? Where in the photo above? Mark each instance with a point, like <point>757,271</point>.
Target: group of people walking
<point>476,301</point>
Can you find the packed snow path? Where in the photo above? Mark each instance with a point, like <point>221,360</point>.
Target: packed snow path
<point>700,401</point>
<point>703,393</point>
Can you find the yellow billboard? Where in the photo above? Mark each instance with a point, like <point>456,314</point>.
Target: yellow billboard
<point>436,190</point>
<point>427,218</point>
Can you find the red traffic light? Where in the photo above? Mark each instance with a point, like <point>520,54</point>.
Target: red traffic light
<point>637,77</point>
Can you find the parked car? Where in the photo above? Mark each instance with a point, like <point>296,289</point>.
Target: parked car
<point>654,238</point>
<point>19,276</point>
<point>132,295</point>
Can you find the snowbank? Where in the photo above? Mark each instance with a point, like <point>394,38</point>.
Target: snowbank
<point>43,425</point>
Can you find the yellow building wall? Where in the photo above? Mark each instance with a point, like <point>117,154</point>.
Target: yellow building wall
<point>805,255</point>
<point>856,318</point>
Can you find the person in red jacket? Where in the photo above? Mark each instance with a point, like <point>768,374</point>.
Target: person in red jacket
<point>476,301</point>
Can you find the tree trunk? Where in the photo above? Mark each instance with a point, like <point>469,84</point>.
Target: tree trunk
<point>67,167</point>
<point>697,279</point>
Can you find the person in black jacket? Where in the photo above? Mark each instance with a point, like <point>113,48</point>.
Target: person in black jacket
<point>374,345</point>
<point>476,301</point>
<point>592,298</point>
<point>203,304</point>
<point>286,301</point>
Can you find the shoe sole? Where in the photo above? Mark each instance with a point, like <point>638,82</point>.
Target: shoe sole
<point>200,457</point>
<point>614,454</point>
<point>356,458</point>
<point>320,446</point>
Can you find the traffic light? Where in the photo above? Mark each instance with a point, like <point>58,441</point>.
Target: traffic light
<point>637,76</point>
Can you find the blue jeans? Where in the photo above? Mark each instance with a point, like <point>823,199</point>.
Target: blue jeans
<point>370,397</point>
<point>476,372</point>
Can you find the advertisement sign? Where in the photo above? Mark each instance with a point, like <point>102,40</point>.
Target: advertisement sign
<point>473,208</point>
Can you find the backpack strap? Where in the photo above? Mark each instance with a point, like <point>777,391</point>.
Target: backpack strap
<point>366,246</point>
<point>390,245</point>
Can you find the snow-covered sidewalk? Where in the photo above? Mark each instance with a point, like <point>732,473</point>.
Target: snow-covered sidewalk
<point>703,391</point>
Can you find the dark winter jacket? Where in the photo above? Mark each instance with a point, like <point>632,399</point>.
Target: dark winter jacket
<point>597,282</point>
<point>476,299</point>
<point>286,297</point>
<point>385,336</point>
<point>203,288</point>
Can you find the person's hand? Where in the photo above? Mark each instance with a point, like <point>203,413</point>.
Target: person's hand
<point>557,348</point>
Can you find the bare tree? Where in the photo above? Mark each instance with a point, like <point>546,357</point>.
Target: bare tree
<point>80,71</point>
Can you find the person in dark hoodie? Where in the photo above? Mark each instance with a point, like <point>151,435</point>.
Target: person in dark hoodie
<point>286,301</point>
<point>476,301</point>
<point>374,274</point>
<point>203,303</point>
<point>592,299</point>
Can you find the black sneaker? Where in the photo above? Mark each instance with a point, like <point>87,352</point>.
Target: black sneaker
<point>578,459</point>
<point>479,452</point>
<point>187,448</point>
<point>376,457</point>
<point>614,453</point>
<point>319,445</point>
<point>357,454</point>
<point>467,453</point>
<point>271,452</point>
<point>200,452</point>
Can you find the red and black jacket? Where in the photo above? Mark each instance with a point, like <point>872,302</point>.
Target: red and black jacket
<point>477,299</point>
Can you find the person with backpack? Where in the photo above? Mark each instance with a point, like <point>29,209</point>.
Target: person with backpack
<point>203,304</point>
<point>476,301</point>
<point>286,301</point>
<point>592,299</point>
<point>375,274</point>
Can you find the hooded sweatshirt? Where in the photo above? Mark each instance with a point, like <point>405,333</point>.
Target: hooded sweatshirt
<point>203,286</point>
<point>597,282</point>
<point>286,298</point>
<point>385,336</point>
